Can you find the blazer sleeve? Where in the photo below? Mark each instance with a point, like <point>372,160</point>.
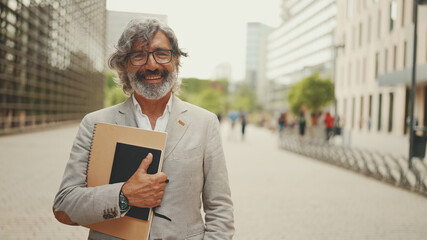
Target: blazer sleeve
<point>216,195</point>
<point>76,204</point>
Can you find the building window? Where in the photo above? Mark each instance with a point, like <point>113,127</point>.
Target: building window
<point>370,113</point>
<point>369,29</point>
<point>361,113</point>
<point>379,25</point>
<point>390,117</point>
<point>407,110</point>
<point>344,111</point>
<point>403,13</point>
<point>393,14</point>
<point>353,108</point>
<point>405,51</point>
<point>380,101</point>
<point>353,38</point>
<point>360,34</point>
<point>394,57</point>
<point>377,63</point>
<point>385,60</point>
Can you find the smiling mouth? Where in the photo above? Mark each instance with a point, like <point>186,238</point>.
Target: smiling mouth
<point>153,77</point>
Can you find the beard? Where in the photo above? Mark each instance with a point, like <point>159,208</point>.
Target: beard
<point>152,90</point>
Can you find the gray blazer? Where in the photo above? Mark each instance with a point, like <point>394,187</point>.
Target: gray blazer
<point>194,163</point>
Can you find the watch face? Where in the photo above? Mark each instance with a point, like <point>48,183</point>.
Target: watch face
<point>123,202</point>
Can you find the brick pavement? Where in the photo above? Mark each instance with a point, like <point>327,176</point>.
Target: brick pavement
<point>277,194</point>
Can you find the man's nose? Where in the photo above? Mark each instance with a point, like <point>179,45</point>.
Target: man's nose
<point>151,62</point>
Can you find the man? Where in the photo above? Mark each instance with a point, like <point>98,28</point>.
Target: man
<point>147,61</point>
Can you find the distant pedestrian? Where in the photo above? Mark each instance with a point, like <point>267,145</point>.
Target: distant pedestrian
<point>282,122</point>
<point>219,116</point>
<point>302,124</point>
<point>329,123</point>
<point>243,121</point>
<point>233,115</point>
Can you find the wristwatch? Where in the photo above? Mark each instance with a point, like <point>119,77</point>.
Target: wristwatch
<point>123,202</point>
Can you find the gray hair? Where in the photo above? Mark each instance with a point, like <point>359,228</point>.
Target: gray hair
<point>141,29</point>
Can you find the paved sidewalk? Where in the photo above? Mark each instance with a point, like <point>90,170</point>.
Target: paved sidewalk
<point>277,194</point>
<point>31,168</point>
<point>281,195</point>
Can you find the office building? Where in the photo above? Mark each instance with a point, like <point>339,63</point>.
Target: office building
<point>374,70</point>
<point>302,45</point>
<point>255,55</point>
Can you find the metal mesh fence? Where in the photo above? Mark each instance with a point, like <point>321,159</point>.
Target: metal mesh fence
<point>51,61</point>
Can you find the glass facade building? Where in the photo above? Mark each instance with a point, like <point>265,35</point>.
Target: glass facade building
<point>52,58</point>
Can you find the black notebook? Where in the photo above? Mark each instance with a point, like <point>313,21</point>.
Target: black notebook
<point>127,159</point>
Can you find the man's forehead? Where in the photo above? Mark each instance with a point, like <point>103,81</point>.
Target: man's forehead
<point>158,40</point>
<point>140,44</point>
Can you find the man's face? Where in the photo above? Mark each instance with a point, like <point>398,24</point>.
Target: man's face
<point>152,80</point>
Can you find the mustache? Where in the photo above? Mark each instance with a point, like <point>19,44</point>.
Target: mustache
<point>143,74</point>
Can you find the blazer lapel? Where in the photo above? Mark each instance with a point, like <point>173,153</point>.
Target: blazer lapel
<point>126,114</point>
<point>177,124</point>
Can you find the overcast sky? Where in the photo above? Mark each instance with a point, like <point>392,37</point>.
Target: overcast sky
<point>211,31</point>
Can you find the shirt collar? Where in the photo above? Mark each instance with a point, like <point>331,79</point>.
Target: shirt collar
<point>138,107</point>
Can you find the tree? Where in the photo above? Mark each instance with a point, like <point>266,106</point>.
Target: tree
<point>313,92</point>
<point>207,94</point>
<point>210,100</point>
<point>244,98</point>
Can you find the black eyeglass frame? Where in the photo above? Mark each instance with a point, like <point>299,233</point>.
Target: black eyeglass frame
<point>148,55</point>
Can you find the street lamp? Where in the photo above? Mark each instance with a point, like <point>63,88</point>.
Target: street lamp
<point>414,66</point>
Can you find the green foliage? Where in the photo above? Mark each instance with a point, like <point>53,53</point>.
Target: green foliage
<point>295,99</point>
<point>194,85</point>
<point>113,94</point>
<point>210,99</point>
<point>243,99</point>
<point>207,94</point>
<point>313,92</point>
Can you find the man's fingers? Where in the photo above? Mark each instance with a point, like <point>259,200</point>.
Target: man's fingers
<point>145,163</point>
<point>161,177</point>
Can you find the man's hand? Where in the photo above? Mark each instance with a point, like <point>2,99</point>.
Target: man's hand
<point>145,190</point>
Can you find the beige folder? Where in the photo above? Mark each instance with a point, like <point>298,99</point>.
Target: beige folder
<point>105,138</point>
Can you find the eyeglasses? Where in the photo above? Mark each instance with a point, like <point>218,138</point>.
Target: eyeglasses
<point>140,58</point>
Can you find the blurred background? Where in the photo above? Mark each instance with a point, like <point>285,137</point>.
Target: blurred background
<point>242,56</point>
<point>277,65</point>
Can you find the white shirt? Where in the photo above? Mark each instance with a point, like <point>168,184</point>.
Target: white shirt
<point>143,122</point>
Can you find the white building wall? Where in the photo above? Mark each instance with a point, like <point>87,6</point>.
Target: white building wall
<point>364,27</point>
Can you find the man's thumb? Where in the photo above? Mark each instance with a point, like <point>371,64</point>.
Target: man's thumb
<point>146,163</point>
